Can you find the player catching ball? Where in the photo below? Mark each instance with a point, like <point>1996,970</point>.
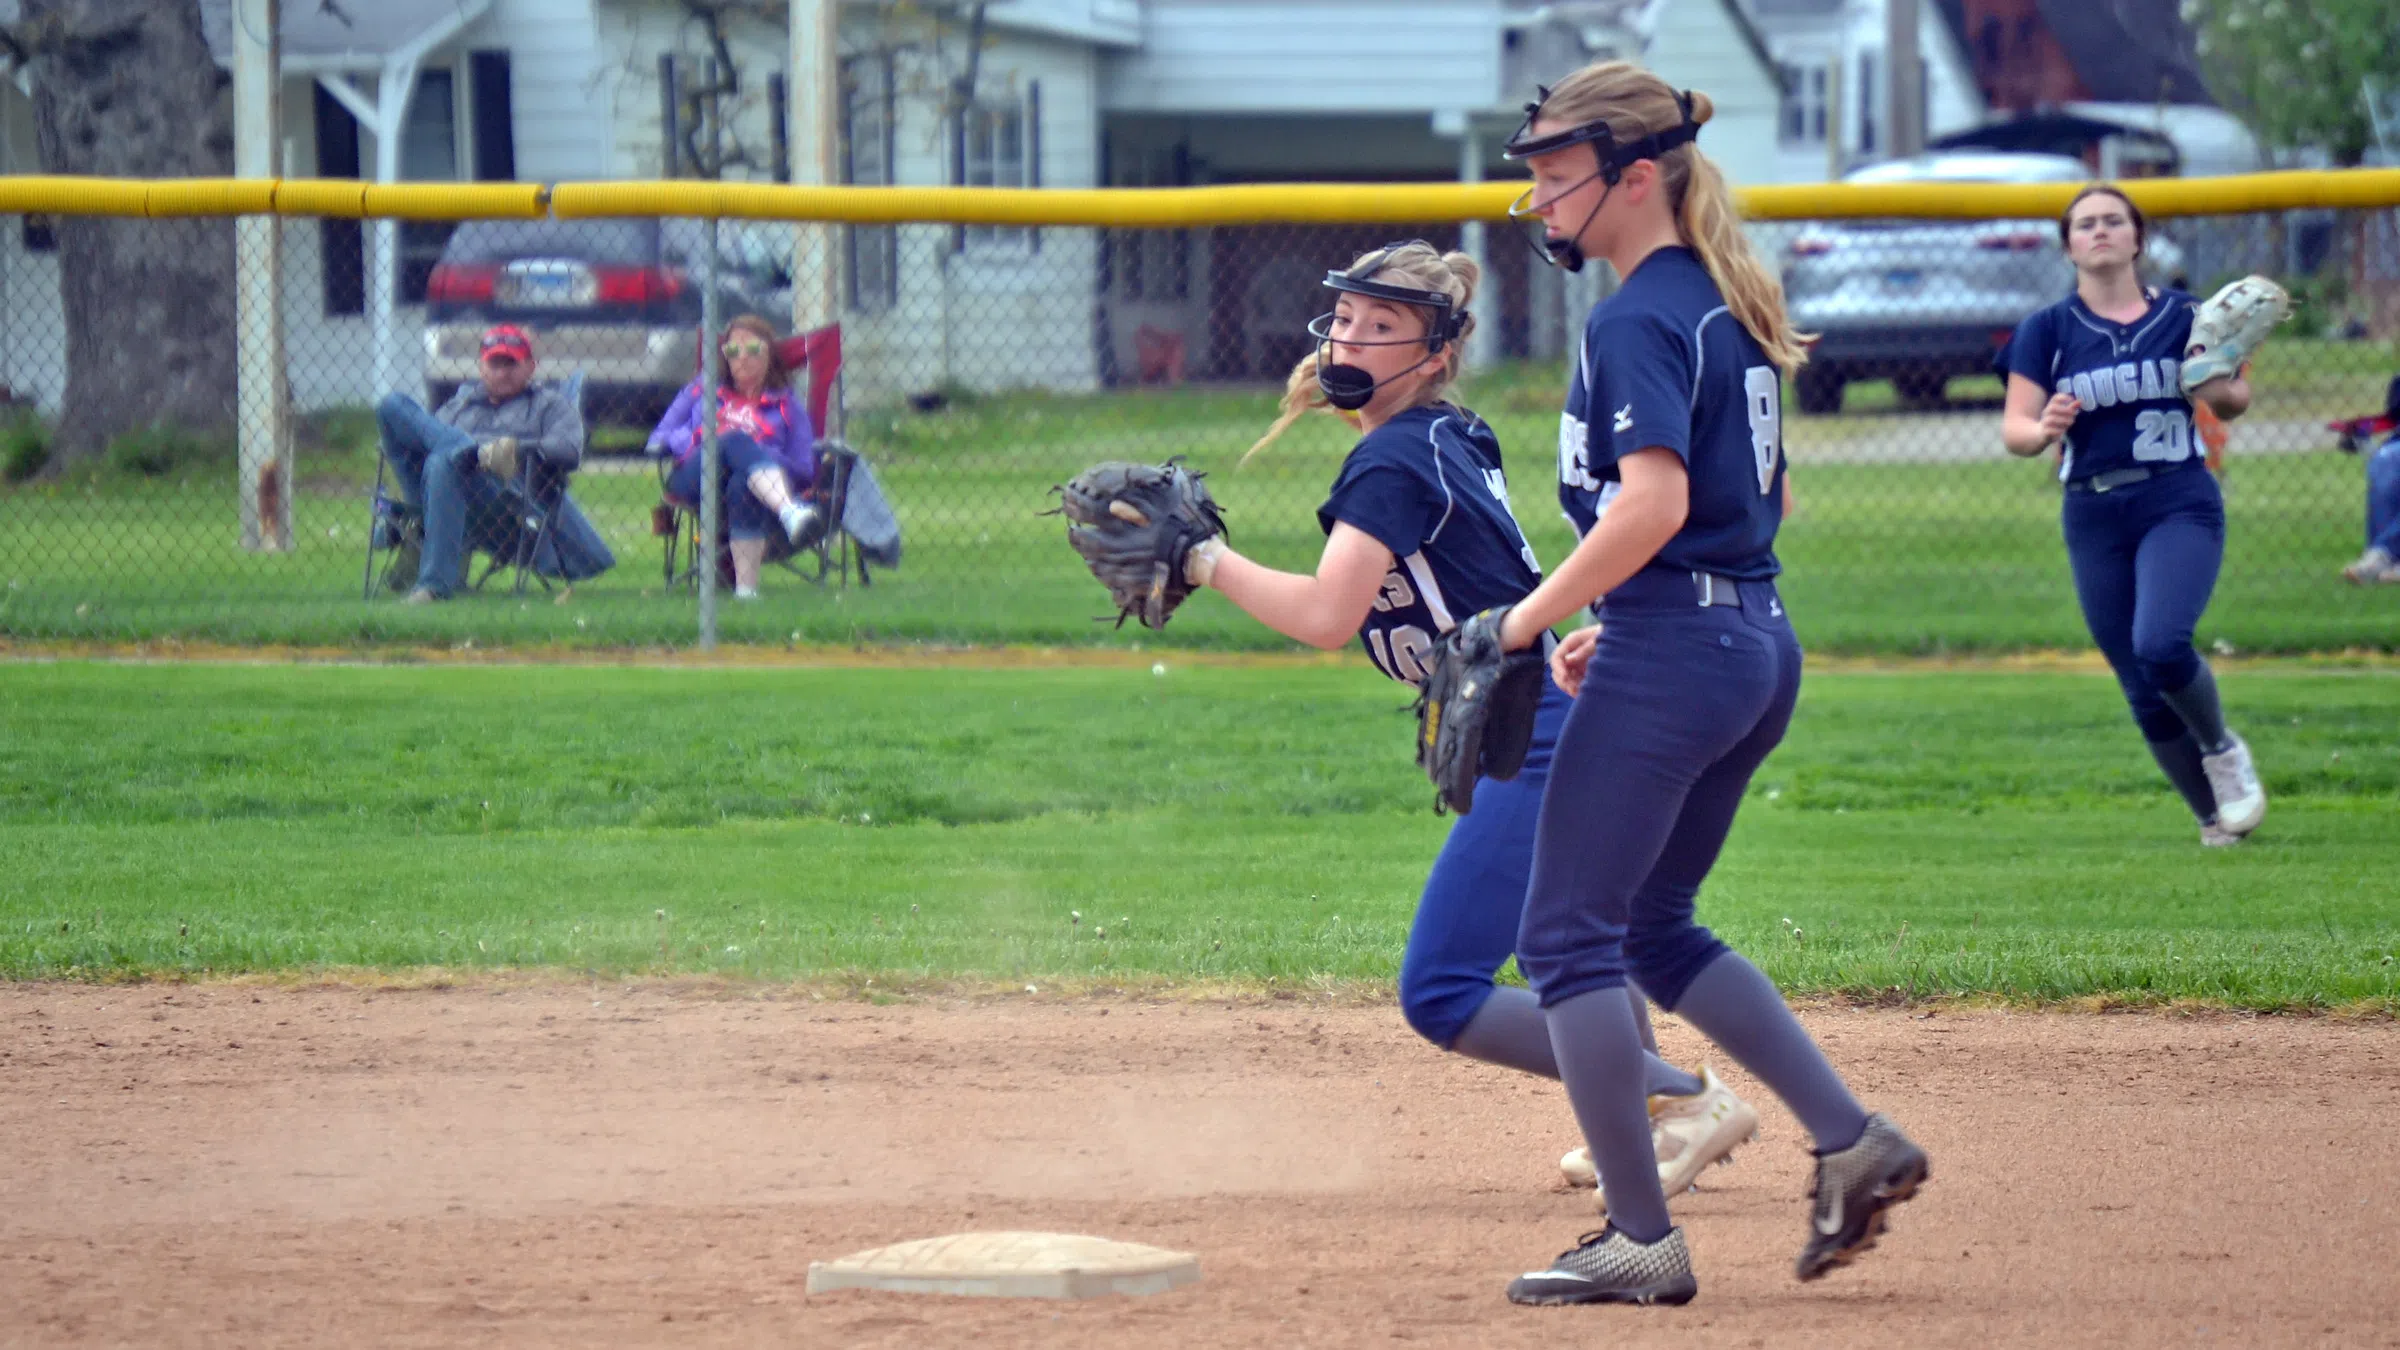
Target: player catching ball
<point>1418,534</point>
<point>2118,371</point>
<point>1674,423</point>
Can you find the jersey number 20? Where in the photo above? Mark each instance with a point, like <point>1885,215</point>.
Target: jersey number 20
<point>1764,389</point>
<point>2161,435</point>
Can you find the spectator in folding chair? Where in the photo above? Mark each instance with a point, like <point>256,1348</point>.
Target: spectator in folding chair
<point>766,448</point>
<point>2380,564</point>
<point>457,466</point>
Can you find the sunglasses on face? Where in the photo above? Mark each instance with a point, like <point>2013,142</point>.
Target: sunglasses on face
<point>736,350</point>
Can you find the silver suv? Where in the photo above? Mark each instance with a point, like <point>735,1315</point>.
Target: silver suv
<point>1923,301</point>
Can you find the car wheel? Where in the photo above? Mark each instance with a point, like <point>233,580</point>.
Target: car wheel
<point>1820,391</point>
<point>1920,391</point>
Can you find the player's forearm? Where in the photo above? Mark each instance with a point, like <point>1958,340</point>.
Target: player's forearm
<point>1636,526</point>
<point>2023,435</point>
<point>1299,607</point>
<point>2228,397</point>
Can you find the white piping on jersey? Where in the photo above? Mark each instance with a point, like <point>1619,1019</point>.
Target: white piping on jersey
<point>1448,501</point>
<point>2157,311</point>
<point>1429,591</point>
<point>1700,352</point>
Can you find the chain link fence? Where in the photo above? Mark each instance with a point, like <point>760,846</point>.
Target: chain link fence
<point>977,365</point>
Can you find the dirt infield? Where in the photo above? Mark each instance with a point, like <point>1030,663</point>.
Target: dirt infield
<point>222,1165</point>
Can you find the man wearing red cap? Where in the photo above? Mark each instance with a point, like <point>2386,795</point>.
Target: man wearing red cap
<point>455,464</point>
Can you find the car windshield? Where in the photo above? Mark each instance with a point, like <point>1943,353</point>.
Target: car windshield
<point>633,242</point>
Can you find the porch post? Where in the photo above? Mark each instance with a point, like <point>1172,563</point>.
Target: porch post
<point>263,409</point>
<point>1483,343</point>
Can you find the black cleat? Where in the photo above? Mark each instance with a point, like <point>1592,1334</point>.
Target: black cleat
<point>1854,1190</point>
<point>1609,1267</point>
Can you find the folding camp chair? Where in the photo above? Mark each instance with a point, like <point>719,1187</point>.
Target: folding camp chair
<point>818,354</point>
<point>509,534</point>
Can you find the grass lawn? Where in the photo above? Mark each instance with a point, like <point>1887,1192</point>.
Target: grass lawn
<point>1931,833</point>
<point>1955,549</point>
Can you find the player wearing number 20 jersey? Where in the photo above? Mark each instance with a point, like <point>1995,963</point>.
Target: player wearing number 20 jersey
<point>2127,376</point>
<point>1653,370</point>
<point>1428,486</point>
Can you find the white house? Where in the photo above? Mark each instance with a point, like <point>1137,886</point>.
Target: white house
<point>1066,93</point>
<point>1837,83</point>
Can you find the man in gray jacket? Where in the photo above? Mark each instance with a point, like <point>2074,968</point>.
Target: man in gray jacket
<point>456,465</point>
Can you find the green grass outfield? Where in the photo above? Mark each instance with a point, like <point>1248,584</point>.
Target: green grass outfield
<point>1956,549</point>
<point>1232,824</point>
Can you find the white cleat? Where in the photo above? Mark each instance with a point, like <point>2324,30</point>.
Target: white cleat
<point>1687,1133</point>
<point>2241,800</point>
<point>2213,835</point>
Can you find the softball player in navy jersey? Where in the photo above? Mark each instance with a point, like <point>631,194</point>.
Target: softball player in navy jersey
<point>1419,534</point>
<point>1685,685</point>
<point>2144,520</point>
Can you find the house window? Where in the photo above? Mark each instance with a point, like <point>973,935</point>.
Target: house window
<point>1870,97</point>
<point>999,146</point>
<point>1152,264</point>
<point>428,154</point>
<point>341,244</point>
<point>1804,103</point>
<point>871,253</point>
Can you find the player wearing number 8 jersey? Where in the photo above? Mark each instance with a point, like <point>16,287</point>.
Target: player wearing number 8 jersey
<point>1420,535</point>
<point>2100,372</point>
<point>1685,686</point>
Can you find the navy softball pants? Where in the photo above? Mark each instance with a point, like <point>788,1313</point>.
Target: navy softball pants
<point>1680,705</point>
<point>2145,558</point>
<point>1466,924</point>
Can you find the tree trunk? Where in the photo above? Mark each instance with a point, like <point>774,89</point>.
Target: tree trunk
<point>128,88</point>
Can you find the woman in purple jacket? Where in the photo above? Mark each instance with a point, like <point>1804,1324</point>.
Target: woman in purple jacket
<point>764,444</point>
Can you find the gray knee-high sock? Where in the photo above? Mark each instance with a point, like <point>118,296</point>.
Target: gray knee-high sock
<point>2181,760</point>
<point>2196,703</point>
<point>1738,1007</point>
<point>1510,1031</point>
<point>1600,1061</point>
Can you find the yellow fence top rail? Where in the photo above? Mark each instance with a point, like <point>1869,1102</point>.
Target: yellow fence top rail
<point>1129,208</point>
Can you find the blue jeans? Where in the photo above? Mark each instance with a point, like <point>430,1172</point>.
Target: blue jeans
<point>2145,558</point>
<point>2383,497</point>
<point>738,457</point>
<point>438,475</point>
<point>1680,705</point>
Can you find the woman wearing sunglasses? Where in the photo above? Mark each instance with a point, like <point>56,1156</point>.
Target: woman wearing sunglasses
<point>765,446</point>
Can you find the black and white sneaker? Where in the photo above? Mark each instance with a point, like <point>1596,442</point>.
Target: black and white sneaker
<point>1609,1267</point>
<point>1853,1191</point>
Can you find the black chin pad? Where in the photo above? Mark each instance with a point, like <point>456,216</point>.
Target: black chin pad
<point>1346,387</point>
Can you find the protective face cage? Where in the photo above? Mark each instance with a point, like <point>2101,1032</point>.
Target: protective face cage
<point>1350,387</point>
<point>1611,160</point>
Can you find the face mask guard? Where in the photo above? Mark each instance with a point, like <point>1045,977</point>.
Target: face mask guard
<point>1611,161</point>
<point>1350,388</point>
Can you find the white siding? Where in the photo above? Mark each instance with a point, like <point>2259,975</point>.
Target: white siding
<point>1116,23</point>
<point>991,317</point>
<point>1698,44</point>
<point>632,34</point>
<point>1353,56</point>
<point>554,78</point>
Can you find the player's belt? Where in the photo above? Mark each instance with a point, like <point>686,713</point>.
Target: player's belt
<point>2114,478</point>
<point>1717,590</point>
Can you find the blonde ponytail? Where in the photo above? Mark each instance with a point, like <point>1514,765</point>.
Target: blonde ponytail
<point>1636,103</point>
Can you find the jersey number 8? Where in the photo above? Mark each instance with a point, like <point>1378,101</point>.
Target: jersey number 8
<point>1765,390</point>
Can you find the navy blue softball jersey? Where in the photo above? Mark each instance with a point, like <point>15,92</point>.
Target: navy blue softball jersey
<point>2127,376</point>
<point>1666,365</point>
<point>1428,486</point>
